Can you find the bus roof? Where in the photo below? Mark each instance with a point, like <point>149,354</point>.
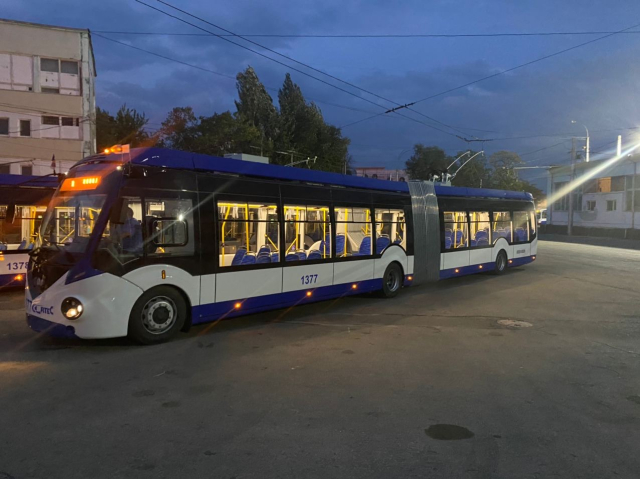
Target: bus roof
<point>166,158</point>
<point>29,181</point>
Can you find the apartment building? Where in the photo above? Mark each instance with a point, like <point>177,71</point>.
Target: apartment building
<point>47,97</point>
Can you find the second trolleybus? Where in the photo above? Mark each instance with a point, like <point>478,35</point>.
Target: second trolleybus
<point>148,243</point>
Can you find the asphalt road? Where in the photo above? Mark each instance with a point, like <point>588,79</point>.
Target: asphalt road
<point>354,388</point>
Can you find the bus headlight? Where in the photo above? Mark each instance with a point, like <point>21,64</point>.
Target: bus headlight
<point>72,308</point>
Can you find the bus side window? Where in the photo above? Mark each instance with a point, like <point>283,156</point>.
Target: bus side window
<point>520,226</point>
<point>307,232</point>
<point>354,225</point>
<point>249,233</point>
<point>501,227</point>
<point>169,226</point>
<point>480,229</point>
<point>455,230</point>
<point>390,228</point>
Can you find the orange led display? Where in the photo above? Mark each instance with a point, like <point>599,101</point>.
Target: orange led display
<point>80,184</point>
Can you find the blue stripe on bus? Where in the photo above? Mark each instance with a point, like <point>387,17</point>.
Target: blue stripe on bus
<point>56,330</point>
<point>228,309</point>
<point>475,268</point>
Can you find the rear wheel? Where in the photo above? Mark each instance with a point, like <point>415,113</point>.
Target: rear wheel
<point>392,280</point>
<point>501,262</point>
<point>157,315</point>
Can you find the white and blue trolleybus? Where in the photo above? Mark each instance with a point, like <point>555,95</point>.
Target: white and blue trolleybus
<point>149,242</point>
<point>23,202</point>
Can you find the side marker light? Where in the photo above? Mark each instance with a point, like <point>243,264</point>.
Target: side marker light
<point>354,286</point>
<point>237,305</point>
<point>308,293</point>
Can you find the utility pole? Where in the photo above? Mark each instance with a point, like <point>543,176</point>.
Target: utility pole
<point>573,175</point>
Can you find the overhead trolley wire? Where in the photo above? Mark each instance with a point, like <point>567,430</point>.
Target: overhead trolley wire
<point>289,66</point>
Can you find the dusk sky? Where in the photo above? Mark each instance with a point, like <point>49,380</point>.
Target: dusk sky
<point>596,85</point>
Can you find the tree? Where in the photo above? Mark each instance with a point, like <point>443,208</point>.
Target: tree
<point>255,105</point>
<point>426,162</point>
<point>475,173</point>
<point>505,177</point>
<point>225,133</point>
<point>127,127</point>
<point>180,129</point>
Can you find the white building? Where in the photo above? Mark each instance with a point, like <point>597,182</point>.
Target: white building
<point>606,204</point>
<point>47,97</point>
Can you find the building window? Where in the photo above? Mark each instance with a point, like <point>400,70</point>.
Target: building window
<point>26,170</point>
<point>353,231</point>
<point>617,183</point>
<point>591,205</point>
<point>69,67</point>
<point>4,126</point>
<point>612,205</point>
<point>249,233</point>
<point>480,228</point>
<point>562,204</point>
<point>68,121</point>
<point>630,197</point>
<point>307,233</point>
<point>5,168</point>
<point>25,127</point>
<point>45,89</point>
<point>604,185</point>
<point>50,120</point>
<point>502,226</point>
<point>455,230</point>
<point>49,65</point>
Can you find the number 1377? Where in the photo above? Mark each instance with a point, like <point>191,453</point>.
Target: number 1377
<point>309,279</point>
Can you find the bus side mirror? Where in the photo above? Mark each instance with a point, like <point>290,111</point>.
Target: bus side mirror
<point>115,216</point>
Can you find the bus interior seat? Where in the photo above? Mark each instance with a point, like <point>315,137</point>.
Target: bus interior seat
<point>275,257</point>
<point>314,254</point>
<point>248,258</point>
<point>292,257</point>
<point>264,258</point>
<point>264,249</point>
<point>302,255</point>
<point>365,247</point>
<point>448,243</point>
<point>381,243</point>
<point>482,242</point>
<point>340,244</point>
<point>23,244</point>
<point>237,259</point>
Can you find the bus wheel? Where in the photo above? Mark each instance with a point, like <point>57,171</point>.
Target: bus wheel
<point>391,281</point>
<point>157,315</point>
<point>501,262</point>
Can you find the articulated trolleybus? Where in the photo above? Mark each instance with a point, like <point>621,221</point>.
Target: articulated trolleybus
<point>23,202</point>
<point>149,242</point>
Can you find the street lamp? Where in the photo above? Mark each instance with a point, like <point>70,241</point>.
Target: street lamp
<point>587,147</point>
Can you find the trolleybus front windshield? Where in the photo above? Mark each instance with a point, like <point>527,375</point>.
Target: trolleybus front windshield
<point>71,220</point>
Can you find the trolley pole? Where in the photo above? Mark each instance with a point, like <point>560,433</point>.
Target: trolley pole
<point>573,176</point>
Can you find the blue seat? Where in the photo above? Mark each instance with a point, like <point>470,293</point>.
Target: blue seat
<point>381,244</point>
<point>249,258</point>
<point>448,242</point>
<point>482,242</point>
<point>264,249</point>
<point>3,247</point>
<point>237,258</point>
<point>31,245</point>
<point>340,244</point>
<point>474,243</point>
<point>481,234</point>
<point>23,245</point>
<point>292,257</point>
<point>275,257</point>
<point>302,255</point>
<point>314,254</point>
<point>325,248</point>
<point>365,246</point>
<point>459,237</point>
<point>265,258</point>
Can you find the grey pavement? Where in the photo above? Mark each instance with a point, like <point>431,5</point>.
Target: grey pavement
<point>355,388</point>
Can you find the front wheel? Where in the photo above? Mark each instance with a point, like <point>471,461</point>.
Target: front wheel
<point>391,281</point>
<point>157,315</point>
<point>501,262</point>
